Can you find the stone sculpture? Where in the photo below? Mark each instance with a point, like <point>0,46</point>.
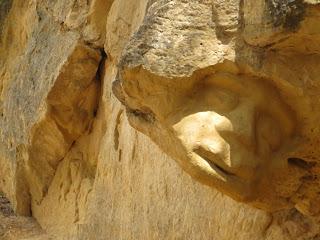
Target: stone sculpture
<point>224,96</point>
<point>227,88</point>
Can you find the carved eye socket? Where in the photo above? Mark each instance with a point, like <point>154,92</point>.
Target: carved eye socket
<point>268,134</point>
<point>212,98</point>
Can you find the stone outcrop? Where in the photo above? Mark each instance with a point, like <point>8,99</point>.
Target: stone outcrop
<point>226,89</point>
<point>212,89</point>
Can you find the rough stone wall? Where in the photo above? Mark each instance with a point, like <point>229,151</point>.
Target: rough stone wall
<point>68,156</point>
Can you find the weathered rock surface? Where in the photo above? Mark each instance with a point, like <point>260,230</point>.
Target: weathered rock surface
<point>16,227</point>
<point>217,86</point>
<point>70,159</point>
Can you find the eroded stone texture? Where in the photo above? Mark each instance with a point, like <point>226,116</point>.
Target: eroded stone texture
<point>70,158</point>
<point>203,80</point>
<point>50,91</point>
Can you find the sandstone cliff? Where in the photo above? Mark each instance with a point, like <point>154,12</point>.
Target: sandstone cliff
<point>92,111</point>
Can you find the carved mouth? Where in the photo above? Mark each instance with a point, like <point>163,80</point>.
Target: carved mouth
<point>226,181</point>
<point>211,159</point>
<point>219,169</point>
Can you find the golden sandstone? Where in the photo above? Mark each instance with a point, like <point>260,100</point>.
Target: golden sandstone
<point>100,99</point>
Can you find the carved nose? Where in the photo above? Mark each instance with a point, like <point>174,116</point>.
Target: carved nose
<point>220,156</point>
<point>220,139</point>
<point>230,145</point>
<point>215,152</point>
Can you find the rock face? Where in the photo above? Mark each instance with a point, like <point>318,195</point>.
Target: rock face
<point>226,89</point>
<point>217,95</point>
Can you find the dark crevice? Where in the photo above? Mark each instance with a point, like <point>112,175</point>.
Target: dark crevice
<point>117,130</point>
<point>301,163</point>
<point>100,70</point>
<point>99,78</point>
<point>210,159</point>
<point>5,206</point>
<point>120,156</point>
<point>286,13</point>
<point>215,166</point>
<point>145,116</point>
<point>5,6</point>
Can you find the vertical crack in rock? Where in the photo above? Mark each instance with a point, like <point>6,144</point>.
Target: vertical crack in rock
<point>72,106</point>
<point>117,130</point>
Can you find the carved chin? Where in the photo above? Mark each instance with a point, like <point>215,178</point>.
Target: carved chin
<point>268,189</point>
<point>257,184</point>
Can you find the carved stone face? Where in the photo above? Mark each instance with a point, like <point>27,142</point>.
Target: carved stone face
<point>230,131</point>
<point>233,125</point>
<point>238,120</point>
